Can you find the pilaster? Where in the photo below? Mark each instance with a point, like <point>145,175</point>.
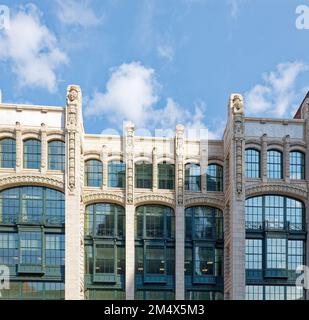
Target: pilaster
<point>286,159</point>
<point>43,149</point>
<point>19,147</point>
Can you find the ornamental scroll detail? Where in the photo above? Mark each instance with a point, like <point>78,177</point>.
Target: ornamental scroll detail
<point>180,163</point>
<point>129,154</point>
<point>72,102</point>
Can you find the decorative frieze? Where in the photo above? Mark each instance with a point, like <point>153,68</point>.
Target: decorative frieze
<point>102,197</point>
<point>179,142</point>
<point>129,160</point>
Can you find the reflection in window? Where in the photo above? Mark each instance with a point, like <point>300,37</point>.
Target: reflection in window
<point>192,177</point>
<point>32,154</point>
<point>7,153</point>
<point>8,248</point>
<point>214,178</point>
<point>105,220</point>
<point>166,175</point>
<point>116,174</point>
<point>274,164</point>
<point>143,175</point>
<point>31,205</point>
<point>31,248</point>
<point>54,249</point>
<point>297,165</point>
<point>93,173</point>
<point>276,253</point>
<point>252,163</point>
<point>56,155</point>
<point>254,254</point>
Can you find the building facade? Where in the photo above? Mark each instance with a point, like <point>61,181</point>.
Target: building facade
<point>86,216</point>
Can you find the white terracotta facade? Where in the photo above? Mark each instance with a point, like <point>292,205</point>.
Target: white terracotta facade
<point>66,124</point>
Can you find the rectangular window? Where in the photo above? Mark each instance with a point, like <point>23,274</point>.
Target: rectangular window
<point>8,249</point>
<point>56,155</point>
<point>155,260</point>
<point>32,204</point>
<point>32,154</point>
<point>274,293</point>
<point>254,292</point>
<point>295,254</point>
<point>254,213</point>
<point>154,226</point>
<point>276,253</point>
<point>166,176</point>
<point>252,163</point>
<point>203,260</point>
<point>274,212</point>
<point>274,164</point>
<point>55,207</point>
<point>30,248</point>
<point>54,249</point>
<point>105,259</point>
<point>254,254</point>
<point>294,293</point>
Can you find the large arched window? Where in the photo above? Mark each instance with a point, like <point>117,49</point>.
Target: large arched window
<point>274,164</point>
<point>274,212</point>
<point>56,155</point>
<point>116,174</point>
<point>253,163</point>
<point>105,251</point>
<point>32,205</point>
<point>275,247</point>
<point>204,252</point>
<point>7,153</point>
<point>214,178</point>
<point>143,175</point>
<point>93,173</point>
<point>32,154</point>
<point>166,175</point>
<point>155,252</point>
<point>297,165</point>
<point>192,177</point>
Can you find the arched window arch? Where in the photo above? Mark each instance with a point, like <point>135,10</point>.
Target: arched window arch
<point>93,173</point>
<point>105,251</point>
<point>297,165</point>
<point>56,155</point>
<point>32,154</point>
<point>253,163</point>
<point>166,175</point>
<point>214,177</point>
<point>192,177</point>
<point>143,175</point>
<point>116,174</point>
<point>274,164</point>
<point>155,251</point>
<point>32,204</point>
<point>274,212</point>
<point>204,252</point>
<point>7,153</point>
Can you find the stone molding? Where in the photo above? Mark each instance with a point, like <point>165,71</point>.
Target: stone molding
<point>103,197</point>
<point>213,201</point>
<point>154,198</point>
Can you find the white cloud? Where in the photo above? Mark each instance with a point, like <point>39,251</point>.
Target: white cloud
<point>278,93</point>
<point>77,12</point>
<point>166,52</point>
<point>235,7</point>
<point>131,94</point>
<point>32,49</point>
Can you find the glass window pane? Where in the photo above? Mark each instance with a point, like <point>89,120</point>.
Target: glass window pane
<point>93,173</point>
<point>32,154</point>
<point>7,153</point>
<point>56,155</point>
<point>214,178</point>
<point>252,163</point>
<point>192,177</point>
<point>297,165</point>
<point>143,175</point>
<point>166,175</point>
<point>116,174</point>
<point>274,164</point>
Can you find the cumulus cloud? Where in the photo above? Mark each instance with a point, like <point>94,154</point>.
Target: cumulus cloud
<point>77,12</point>
<point>32,49</point>
<point>278,93</point>
<point>131,94</point>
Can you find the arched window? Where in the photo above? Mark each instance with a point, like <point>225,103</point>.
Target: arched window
<point>32,205</point>
<point>192,177</point>
<point>93,173</point>
<point>7,153</point>
<point>275,246</point>
<point>105,220</point>
<point>143,175</point>
<point>274,164</point>
<point>204,252</point>
<point>297,165</point>
<point>56,155</point>
<point>32,154</point>
<point>154,251</point>
<point>116,174</point>
<point>214,178</point>
<point>105,251</point>
<point>166,175</point>
<point>275,213</point>
<point>253,163</point>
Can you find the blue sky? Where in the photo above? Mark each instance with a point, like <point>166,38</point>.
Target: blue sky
<point>156,62</point>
